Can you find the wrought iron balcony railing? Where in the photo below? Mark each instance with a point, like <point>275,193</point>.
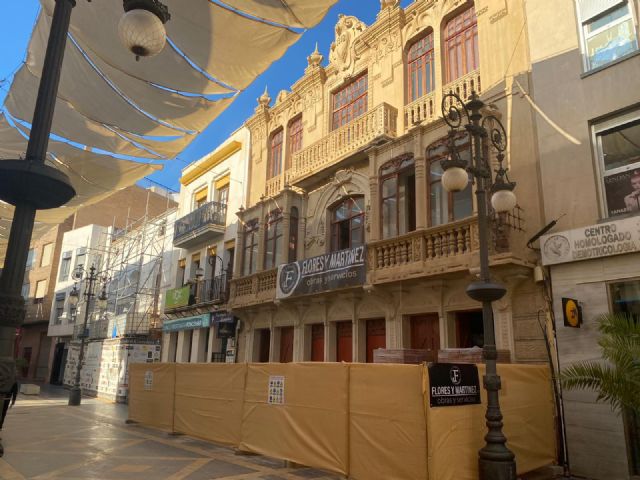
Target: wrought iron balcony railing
<point>212,290</point>
<point>210,218</point>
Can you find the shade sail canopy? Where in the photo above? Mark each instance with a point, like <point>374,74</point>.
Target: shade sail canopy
<point>148,109</point>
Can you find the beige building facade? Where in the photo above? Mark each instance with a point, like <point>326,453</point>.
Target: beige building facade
<point>585,73</point>
<point>348,160</point>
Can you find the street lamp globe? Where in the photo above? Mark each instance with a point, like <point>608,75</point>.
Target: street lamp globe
<point>199,273</point>
<point>455,179</point>
<point>74,297</point>
<point>102,300</point>
<point>142,32</point>
<point>503,200</point>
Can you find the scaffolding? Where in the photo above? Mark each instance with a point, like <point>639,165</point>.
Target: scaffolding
<point>136,262</point>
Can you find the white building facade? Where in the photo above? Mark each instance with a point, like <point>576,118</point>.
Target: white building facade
<point>197,327</point>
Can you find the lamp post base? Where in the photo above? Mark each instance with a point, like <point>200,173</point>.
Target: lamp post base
<point>75,395</point>
<point>496,469</point>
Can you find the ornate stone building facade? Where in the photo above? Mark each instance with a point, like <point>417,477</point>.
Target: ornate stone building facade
<point>350,157</point>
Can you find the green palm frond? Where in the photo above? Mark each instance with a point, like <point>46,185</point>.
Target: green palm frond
<point>617,379</point>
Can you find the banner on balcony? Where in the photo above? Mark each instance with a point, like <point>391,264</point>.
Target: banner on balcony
<point>178,297</point>
<point>344,268</point>
<point>188,323</point>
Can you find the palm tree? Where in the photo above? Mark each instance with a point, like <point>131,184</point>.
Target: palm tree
<point>617,380</point>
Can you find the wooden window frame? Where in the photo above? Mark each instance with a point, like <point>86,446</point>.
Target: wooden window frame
<point>251,232</point>
<point>274,165</point>
<point>293,234</point>
<point>457,32</point>
<point>417,63</point>
<point>295,134</point>
<point>334,224</point>
<point>431,158</point>
<point>396,168</point>
<point>344,106</point>
<point>271,236</point>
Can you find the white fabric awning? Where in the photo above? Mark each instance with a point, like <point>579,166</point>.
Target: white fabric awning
<point>152,108</point>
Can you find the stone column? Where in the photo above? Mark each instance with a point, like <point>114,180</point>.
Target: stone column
<point>184,342</point>
<point>422,208</point>
<point>198,345</point>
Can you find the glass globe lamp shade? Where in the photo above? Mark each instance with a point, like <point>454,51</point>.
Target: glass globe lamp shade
<point>455,179</point>
<point>142,33</point>
<point>503,201</point>
<point>102,300</point>
<point>199,273</point>
<point>74,297</point>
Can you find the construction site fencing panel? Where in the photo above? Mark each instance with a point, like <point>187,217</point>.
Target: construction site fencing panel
<point>387,427</point>
<point>152,394</point>
<point>366,421</point>
<point>305,420</point>
<point>209,401</point>
<point>455,434</point>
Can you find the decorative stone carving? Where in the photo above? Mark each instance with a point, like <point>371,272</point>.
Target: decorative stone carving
<point>315,59</point>
<point>264,100</point>
<point>281,96</point>
<point>389,4</point>
<point>343,54</point>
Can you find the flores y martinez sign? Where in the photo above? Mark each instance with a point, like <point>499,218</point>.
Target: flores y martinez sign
<point>453,384</point>
<point>344,268</point>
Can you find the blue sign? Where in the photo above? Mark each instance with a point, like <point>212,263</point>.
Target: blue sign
<point>188,323</point>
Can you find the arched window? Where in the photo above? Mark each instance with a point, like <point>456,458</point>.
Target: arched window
<point>250,247</point>
<point>461,44</point>
<point>350,101</point>
<point>293,235</point>
<point>274,165</point>
<point>445,207</point>
<point>398,196</point>
<point>295,139</point>
<point>272,238</point>
<point>347,224</point>
<point>420,68</point>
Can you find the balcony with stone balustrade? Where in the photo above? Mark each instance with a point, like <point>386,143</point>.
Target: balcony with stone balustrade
<point>253,289</point>
<point>375,126</point>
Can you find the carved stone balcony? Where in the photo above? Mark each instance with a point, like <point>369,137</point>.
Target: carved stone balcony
<point>422,110</point>
<point>464,85</point>
<point>253,289</point>
<point>273,186</point>
<point>202,225</point>
<point>422,253</point>
<point>376,125</point>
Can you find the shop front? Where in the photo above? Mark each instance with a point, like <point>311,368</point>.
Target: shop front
<point>594,271</point>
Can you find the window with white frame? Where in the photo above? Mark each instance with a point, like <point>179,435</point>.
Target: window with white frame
<point>618,149</point>
<point>609,30</point>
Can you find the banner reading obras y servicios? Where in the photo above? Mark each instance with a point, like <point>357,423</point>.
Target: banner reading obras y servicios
<point>344,268</point>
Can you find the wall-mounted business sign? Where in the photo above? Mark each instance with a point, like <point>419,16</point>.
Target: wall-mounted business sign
<point>452,384</point>
<point>595,241</point>
<point>226,324</point>
<point>177,297</point>
<point>344,268</point>
<point>571,313</point>
<point>187,323</point>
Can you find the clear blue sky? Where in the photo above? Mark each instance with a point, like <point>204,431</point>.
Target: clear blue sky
<point>17,21</point>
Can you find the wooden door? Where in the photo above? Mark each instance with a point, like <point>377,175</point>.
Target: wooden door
<point>425,332</point>
<point>317,343</point>
<point>265,341</point>
<point>286,344</point>
<point>344,343</point>
<point>376,337</point>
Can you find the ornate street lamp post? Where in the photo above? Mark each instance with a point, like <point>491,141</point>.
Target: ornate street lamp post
<point>31,185</point>
<point>496,461</point>
<point>75,394</point>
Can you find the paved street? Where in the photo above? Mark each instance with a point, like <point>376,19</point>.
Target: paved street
<point>44,438</point>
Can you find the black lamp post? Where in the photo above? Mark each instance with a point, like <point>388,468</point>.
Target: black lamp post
<point>75,394</point>
<point>31,185</point>
<point>496,461</point>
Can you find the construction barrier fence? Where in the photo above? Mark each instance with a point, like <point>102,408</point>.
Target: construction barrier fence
<point>366,421</point>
